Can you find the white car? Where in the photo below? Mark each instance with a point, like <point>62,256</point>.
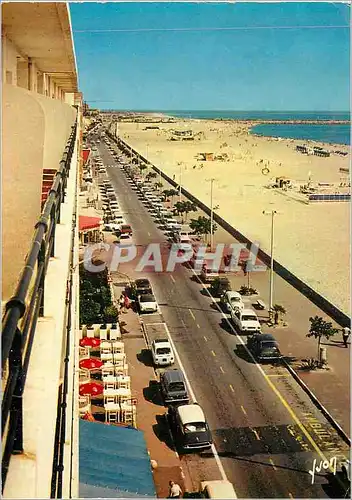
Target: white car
<point>245,320</point>
<point>232,300</point>
<point>147,303</point>
<point>162,352</point>
<point>125,239</point>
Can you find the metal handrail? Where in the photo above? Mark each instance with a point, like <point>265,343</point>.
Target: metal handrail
<point>23,309</point>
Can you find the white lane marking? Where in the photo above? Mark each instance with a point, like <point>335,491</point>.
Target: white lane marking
<point>244,411</point>
<point>206,340</point>
<point>198,326</point>
<point>221,369</point>
<point>213,353</point>
<point>193,396</point>
<point>148,233</point>
<point>266,378</point>
<point>256,434</point>
<point>172,278</point>
<point>232,389</point>
<point>191,313</point>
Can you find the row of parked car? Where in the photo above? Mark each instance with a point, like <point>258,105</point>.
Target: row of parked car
<point>156,207</point>
<point>112,212</point>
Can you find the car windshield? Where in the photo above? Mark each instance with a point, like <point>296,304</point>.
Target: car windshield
<point>270,350</point>
<point>195,427</point>
<point>235,299</point>
<point>249,317</point>
<point>142,283</point>
<point>147,298</point>
<point>163,350</point>
<point>124,237</point>
<point>176,386</point>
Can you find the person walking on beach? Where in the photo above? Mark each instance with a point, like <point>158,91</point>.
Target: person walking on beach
<point>346,332</point>
<point>174,490</point>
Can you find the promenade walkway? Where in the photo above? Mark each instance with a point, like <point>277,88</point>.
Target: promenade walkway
<point>150,409</point>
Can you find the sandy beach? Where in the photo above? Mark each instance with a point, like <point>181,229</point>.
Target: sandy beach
<point>311,240</point>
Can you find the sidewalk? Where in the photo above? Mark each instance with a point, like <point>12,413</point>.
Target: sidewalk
<point>331,386</point>
<point>150,410</point>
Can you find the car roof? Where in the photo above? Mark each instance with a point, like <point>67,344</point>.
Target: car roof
<point>173,375</point>
<point>230,293</point>
<point>248,310</point>
<point>219,488</point>
<point>190,413</point>
<point>266,336</point>
<point>142,280</point>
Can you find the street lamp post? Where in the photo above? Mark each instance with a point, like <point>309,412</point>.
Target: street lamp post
<point>271,288</point>
<point>211,215</point>
<point>180,180</point>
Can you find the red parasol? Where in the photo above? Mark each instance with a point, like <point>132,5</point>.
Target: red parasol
<point>89,342</point>
<point>91,389</point>
<point>91,363</point>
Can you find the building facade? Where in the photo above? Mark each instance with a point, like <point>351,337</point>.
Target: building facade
<point>41,163</point>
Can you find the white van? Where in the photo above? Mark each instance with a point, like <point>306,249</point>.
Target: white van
<point>220,488</point>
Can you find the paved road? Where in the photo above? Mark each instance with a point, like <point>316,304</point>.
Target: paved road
<point>266,431</point>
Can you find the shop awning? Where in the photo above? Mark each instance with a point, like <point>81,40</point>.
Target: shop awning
<point>85,155</point>
<point>86,222</point>
<point>113,462</point>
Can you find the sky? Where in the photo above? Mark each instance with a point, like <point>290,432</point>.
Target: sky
<point>213,56</point>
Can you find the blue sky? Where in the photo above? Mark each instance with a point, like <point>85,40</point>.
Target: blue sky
<point>168,56</point>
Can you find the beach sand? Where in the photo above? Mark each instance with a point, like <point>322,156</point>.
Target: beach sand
<point>312,241</point>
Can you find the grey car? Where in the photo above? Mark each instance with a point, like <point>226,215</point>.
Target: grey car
<point>173,387</point>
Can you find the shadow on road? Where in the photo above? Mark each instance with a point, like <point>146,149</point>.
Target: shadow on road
<point>162,431</point>
<point>152,393</point>
<point>145,357</point>
<point>242,352</point>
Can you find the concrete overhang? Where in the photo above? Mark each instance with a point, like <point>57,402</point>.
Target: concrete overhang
<point>42,32</point>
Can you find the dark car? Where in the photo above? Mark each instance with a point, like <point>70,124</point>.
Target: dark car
<point>126,229</point>
<point>219,286</point>
<point>189,427</point>
<point>173,387</point>
<point>264,347</point>
<point>141,286</point>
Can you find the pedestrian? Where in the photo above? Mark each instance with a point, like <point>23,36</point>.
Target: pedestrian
<point>174,490</point>
<point>122,302</point>
<point>346,332</point>
<point>127,302</point>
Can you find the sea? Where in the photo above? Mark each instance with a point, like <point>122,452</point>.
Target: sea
<point>328,133</point>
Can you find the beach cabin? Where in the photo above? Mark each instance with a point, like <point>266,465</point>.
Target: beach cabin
<point>182,135</point>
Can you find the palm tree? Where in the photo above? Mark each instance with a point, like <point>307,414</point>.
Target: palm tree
<point>279,311</point>
<point>158,185</point>
<point>202,226</point>
<point>320,328</point>
<point>150,175</point>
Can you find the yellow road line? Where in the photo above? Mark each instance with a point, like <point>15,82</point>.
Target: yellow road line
<point>272,463</point>
<point>191,313</point>
<point>294,416</point>
<point>213,353</point>
<point>232,389</point>
<point>278,375</point>
<point>221,369</point>
<point>244,411</point>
